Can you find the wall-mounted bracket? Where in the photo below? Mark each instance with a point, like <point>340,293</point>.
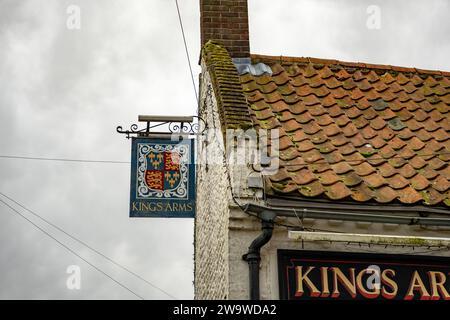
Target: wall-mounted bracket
<point>190,125</point>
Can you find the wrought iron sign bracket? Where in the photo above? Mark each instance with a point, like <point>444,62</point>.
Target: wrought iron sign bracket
<point>185,126</point>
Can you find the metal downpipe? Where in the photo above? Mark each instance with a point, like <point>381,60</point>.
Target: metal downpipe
<point>253,256</point>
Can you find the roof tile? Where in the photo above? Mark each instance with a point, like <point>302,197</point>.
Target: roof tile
<point>283,187</point>
<point>419,182</point>
<point>428,172</point>
<point>385,194</point>
<point>374,180</point>
<point>407,171</point>
<point>398,182</point>
<point>441,184</point>
<point>409,195</point>
<point>303,177</point>
<point>341,167</point>
<point>387,170</point>
<point>312,189</point>
<point>387,78</point>
<point>351,179</point>
<point>363,169</point>
<point>431,196</point>
<point>362,193</point>
<point>328,177</point>
<point>347,149</point>
<point>337,191</point>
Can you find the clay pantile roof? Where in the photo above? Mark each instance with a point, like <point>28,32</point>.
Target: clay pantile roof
<point>354,131</point>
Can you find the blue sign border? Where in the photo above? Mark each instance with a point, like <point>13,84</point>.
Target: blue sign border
<point>163,203</point>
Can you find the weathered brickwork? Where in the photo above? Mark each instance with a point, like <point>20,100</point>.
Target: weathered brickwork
<point>226,21</point>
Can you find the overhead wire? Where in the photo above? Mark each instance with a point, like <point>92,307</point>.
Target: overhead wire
<point>72,251</point>
<point>62,159</point>
<point>87,246</point>
<point>349,161</point>
<point>187,51</point>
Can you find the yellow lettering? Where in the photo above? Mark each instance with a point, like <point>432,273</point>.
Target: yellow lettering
<point>349,284</point>
<point>325,287</point>
<point>314,292</point>
<point>417,284</point>
<point>364,292</point>
<point>390,283</point>
<point>437,285</point>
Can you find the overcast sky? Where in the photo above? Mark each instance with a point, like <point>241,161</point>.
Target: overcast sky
<point>63,92</point>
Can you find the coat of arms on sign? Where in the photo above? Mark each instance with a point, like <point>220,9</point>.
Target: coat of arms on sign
<point>162,171</point>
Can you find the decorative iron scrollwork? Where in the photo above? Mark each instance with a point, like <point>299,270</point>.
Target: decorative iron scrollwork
<point>172,125</point>
<point>133,130</point>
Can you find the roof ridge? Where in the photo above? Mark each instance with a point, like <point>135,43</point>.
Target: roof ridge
<point>231,100</point>
<point>347,64</point>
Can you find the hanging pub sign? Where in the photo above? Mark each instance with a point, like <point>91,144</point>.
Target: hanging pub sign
<point>317,275</point>
<point>162,178</point>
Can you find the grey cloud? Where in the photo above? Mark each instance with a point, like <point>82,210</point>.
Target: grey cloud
<point>63,93</point>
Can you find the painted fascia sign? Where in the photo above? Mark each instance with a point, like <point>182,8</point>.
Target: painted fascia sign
<point>320,275</point>
<point>162,178</point>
